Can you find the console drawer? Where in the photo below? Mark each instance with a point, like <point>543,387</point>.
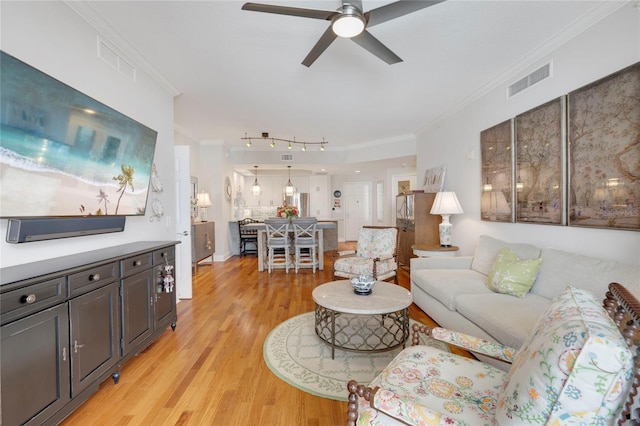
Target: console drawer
<point>159,256</point>
<point>135,264</point>
<point>90,279</point>
<point>19,303</point>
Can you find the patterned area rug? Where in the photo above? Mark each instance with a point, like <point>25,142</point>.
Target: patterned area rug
<point>294,353</point>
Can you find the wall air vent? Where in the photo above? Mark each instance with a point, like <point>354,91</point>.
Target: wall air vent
<point>286,157</point>
<point>528,81</point>
<point>115,59</point>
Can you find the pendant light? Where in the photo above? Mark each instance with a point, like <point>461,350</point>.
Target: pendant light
<point>289,189</point>
<point>256,189</point>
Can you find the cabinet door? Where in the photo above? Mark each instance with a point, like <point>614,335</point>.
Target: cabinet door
<point>165,302</point>
<point>137,310</point>
<point>95,335</point>
<point>34,366</point>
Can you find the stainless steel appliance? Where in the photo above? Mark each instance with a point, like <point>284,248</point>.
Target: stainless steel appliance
<point>301,201</point>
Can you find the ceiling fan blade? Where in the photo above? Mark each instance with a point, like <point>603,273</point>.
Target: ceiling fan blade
<point>395,10</point>
<point>292,11</point>
<point>322,44</point>
<point>373,45</point>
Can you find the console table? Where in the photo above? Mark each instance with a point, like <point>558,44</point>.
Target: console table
<point>203,240</point>
<point>69,323</point>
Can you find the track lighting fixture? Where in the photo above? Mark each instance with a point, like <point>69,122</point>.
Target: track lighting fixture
<point>290,143</point>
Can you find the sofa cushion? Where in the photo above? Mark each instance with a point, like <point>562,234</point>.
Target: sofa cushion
<point>560,269</point>
<point>507,319</point>
<point>488,248</point>
<point>574,366</point>
<point>511,275</point>
<point>445,284</point>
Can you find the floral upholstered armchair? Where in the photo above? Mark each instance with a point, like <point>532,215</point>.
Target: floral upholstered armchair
<point>579,366</point>
<point>376,255</point>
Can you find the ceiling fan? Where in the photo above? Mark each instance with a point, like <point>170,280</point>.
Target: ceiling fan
<point>349,21</point>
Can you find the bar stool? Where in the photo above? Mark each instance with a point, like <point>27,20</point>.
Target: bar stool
<point>278,243</point>
<point>305,243</point>
<point>248,237</point>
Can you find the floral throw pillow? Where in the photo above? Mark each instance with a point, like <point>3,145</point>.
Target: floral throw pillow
<point>511,275</point>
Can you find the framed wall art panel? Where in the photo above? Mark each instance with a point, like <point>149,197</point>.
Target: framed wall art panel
<point>604,152</point>
<point>496,148</point>
<point>540,148</point>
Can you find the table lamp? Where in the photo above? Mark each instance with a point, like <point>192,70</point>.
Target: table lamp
<point>446,204</point>
<point>203,202</point>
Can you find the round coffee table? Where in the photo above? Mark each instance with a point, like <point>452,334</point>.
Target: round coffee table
<point>375,323</point>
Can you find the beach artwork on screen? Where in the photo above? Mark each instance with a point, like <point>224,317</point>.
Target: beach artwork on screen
<point>63,153</point>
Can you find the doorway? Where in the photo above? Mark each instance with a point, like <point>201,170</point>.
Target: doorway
<point>357,208</point>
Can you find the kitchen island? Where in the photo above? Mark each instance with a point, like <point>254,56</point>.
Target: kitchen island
<point>321,227</point>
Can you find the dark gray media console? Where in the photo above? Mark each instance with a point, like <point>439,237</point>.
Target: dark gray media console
<point>69,323</point>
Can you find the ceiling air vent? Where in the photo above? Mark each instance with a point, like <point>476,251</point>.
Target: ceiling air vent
<point>286,157</point>
<point>528,81</point>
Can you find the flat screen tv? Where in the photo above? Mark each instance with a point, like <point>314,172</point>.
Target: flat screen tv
<point>64,154</point>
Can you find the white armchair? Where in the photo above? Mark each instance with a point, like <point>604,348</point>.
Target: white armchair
<point>578,366</point>
<point>376,255</point>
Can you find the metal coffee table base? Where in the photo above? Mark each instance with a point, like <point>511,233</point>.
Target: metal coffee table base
<point>362,332</point>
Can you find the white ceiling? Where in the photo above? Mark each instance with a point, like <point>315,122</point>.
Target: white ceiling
<point>240,72</point>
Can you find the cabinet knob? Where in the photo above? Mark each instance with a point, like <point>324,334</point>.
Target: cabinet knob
<point>28,299</point>
<point>94,277</point>
<point>137,263</point>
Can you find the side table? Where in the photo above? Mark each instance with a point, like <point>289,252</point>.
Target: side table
<point>434,250</point>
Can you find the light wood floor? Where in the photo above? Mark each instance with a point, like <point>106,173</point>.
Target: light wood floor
<point>210,371</point>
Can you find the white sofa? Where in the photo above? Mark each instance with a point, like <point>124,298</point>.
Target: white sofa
<point>452,290</point>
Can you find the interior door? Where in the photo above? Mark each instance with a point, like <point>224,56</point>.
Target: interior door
<point>358,206</point>
<point>183,223</point>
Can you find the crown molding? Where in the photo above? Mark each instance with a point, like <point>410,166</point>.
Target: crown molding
<point>520,67</point>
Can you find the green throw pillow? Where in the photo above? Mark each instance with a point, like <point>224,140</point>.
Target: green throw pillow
<point>510,275</point>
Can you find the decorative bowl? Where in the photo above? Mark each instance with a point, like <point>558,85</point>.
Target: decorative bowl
<point>362,285</point>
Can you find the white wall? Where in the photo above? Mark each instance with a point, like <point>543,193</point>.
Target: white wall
<point>213,166</point>
<point>54,39</point>
<point>606,47</point>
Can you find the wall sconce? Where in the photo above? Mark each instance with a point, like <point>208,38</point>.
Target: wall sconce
<point>203,202</point>
<point>445,204</point>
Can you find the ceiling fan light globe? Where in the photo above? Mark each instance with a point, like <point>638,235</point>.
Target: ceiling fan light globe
<point>348,26</point>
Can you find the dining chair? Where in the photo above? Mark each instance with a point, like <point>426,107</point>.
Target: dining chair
<point>278,243</point>
<point>305,243</point>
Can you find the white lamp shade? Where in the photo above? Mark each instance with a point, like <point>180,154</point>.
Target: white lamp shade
<point>204,200</point>
<point>446,203</point>
<point>348,26</point>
